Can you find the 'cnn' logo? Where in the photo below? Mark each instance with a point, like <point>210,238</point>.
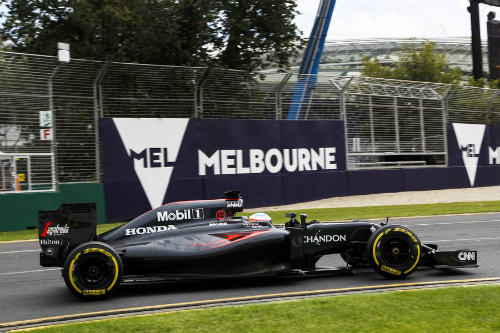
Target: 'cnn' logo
<point>463,256</point>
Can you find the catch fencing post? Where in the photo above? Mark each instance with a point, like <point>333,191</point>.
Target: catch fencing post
<point>277,94</point>
<point>342,90</point>
<point>444,104</point>
<point>372,129</point>
<point>396,124</point>
<point>489,105</point>
<point>343,114</point>
<point>198,93</point>
<point>422,125</point>
<point>53,146</point>
<point>98,113</point>
<point>100,97</point>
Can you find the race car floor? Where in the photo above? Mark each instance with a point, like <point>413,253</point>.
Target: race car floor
<point>29,291</point>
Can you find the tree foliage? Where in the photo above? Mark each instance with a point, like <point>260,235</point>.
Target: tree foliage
<point>483,83</point>
<point>240,34</point>
<point>426,64</point>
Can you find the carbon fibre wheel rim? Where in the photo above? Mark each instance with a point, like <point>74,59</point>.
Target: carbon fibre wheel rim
<point>93,271</point>
<point>396,251</point>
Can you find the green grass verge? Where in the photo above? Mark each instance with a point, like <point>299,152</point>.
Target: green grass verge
<point>33,233</point>
<point>458,309</point>
<point>333,214</point>
<point>351,213</point>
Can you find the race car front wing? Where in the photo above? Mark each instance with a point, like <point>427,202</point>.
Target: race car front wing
<point>462,258</point>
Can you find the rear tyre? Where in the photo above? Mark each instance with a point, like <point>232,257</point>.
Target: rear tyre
<point>93,270</point>
<point>394,251</point>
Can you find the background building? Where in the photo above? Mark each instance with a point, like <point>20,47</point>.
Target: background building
<point>345,57</point>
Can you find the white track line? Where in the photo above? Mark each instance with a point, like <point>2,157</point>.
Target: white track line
<point>19,241</point>
<point>464,239</point>
<point>449,223</point>
<point>35,271</point>
<point>20,251</point>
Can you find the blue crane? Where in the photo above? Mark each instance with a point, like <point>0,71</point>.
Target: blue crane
<point>311,60</point>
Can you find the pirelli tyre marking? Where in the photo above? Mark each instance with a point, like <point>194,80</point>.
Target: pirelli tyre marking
<point>390,270</point>
<point>93,292</point>
<point>386,235</point>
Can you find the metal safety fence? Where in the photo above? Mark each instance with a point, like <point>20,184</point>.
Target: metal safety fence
<point>388,123</point>
<point>395,123</point>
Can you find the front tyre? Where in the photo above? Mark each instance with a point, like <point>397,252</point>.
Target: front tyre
<point>394,251</point>
<point>93,270</point>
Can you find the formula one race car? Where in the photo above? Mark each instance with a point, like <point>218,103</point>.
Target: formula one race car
<point>205,239</point>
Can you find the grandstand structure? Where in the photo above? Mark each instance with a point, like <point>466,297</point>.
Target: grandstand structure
<point>345,57</point>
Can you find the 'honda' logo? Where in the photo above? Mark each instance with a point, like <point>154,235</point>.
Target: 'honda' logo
<point>149,230</point>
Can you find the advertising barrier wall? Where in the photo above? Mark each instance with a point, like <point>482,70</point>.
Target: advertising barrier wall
<point>474,154</point>
<point>473,161</point>
<point>151,161</point>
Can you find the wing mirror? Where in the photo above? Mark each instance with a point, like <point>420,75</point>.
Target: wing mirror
<point>303,222</point>
<point>293,223</point>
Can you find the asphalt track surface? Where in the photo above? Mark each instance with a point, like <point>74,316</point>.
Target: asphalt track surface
<point>29,291</point>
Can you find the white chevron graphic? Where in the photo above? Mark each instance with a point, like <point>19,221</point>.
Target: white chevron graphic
<point>139,135</point>
<point>469,139</point>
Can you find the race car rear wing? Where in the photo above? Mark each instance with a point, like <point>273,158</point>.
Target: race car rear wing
<point>61,230</point>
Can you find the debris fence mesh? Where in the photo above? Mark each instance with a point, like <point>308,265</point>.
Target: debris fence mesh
<point>388,123</point>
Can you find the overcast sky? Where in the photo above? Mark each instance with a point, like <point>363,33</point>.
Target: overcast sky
<point>394,18</point>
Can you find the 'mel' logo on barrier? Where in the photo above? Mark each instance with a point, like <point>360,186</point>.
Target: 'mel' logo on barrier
<point>469,139</point>
<point>470,150</point>
<point>152,157</point>
<point>152,145</point>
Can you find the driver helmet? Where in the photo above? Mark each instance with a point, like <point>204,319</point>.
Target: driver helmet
<point>260,217</point>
